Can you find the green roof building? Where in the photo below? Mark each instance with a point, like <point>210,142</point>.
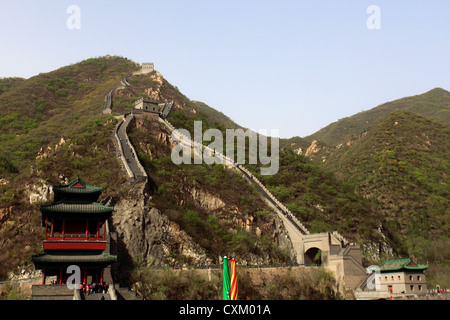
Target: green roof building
<point>402,276</point>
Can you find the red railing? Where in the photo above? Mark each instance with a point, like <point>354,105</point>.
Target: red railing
<point>75,236</point>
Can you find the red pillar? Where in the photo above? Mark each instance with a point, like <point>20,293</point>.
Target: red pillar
<point>60,276</point>
<point>85,275</point>
<point>101,275</point>
<point>63,227</point>
<point>98,225</point>
<point>51,228</point>
<point>43,275</point>
<point>87,226</point>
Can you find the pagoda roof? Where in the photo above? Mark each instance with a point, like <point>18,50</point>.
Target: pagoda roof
<point>401,264</point>
<point>77,186</point>
<point>74,258</point>
<point>76,207</point>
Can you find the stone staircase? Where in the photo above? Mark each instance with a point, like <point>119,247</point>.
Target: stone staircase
<point>127,294</point>
<point>96,296</point>
<point>52,292</point>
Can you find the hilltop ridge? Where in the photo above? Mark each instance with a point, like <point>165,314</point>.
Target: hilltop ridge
<point>434,104</point>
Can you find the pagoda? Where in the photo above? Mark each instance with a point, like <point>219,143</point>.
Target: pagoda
<point>75,234</point>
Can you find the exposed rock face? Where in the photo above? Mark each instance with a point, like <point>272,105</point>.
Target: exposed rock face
<point>206,200</point>
<point>5,214</point>
<point>22,273</point>
<point>156,92</point>
<point>44,153</point>
<point>374,250</point>
<point>36,192</point>
<point>314,148</point>
<point>146,148</point>
<point>143,232</point>
<point>165,139</point>
<point>298,151</point>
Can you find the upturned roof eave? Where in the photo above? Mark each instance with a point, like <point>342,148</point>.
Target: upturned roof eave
<point>69,188</point>
<point>49,258</point>
<point>402,264</point>
<point>56,207</point>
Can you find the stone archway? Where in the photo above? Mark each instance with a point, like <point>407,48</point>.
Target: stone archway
<point>313,257</point>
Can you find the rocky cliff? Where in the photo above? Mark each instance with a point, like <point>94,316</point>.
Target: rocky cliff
<point>146,235</point>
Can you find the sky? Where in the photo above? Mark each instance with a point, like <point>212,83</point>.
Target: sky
<point>295,66</point>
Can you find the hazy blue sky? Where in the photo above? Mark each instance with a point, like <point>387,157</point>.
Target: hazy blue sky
<point>295,66</point>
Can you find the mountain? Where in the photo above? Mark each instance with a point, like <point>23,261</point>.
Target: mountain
<point>7,84</point>
<point>297,144</point>
<point>434,104</point>
<point>317,198</point>
<point>62,106</point>
<point>403,163</point>
<point>53,129</point>
<point>397,155</point>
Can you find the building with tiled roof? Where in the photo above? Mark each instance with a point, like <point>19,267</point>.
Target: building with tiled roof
<point>402,276</point>
<point>75,233</point>
<point>77,189</point>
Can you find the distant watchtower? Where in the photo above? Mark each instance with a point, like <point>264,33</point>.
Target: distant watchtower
<point>147,67</point>
<point>147,104</point>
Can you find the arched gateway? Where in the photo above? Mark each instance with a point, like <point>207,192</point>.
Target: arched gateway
<point>313,257</point>
<point>335,253</point>
<point>328,249</point>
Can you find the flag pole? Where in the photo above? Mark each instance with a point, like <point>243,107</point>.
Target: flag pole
<point>226,280</point>
<point>233,281</point>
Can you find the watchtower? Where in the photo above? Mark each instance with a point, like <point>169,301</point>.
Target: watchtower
<point>147,67</point>
<point>147,104</point>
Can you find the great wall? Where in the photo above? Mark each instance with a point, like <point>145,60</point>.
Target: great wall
<point>337,253</point>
